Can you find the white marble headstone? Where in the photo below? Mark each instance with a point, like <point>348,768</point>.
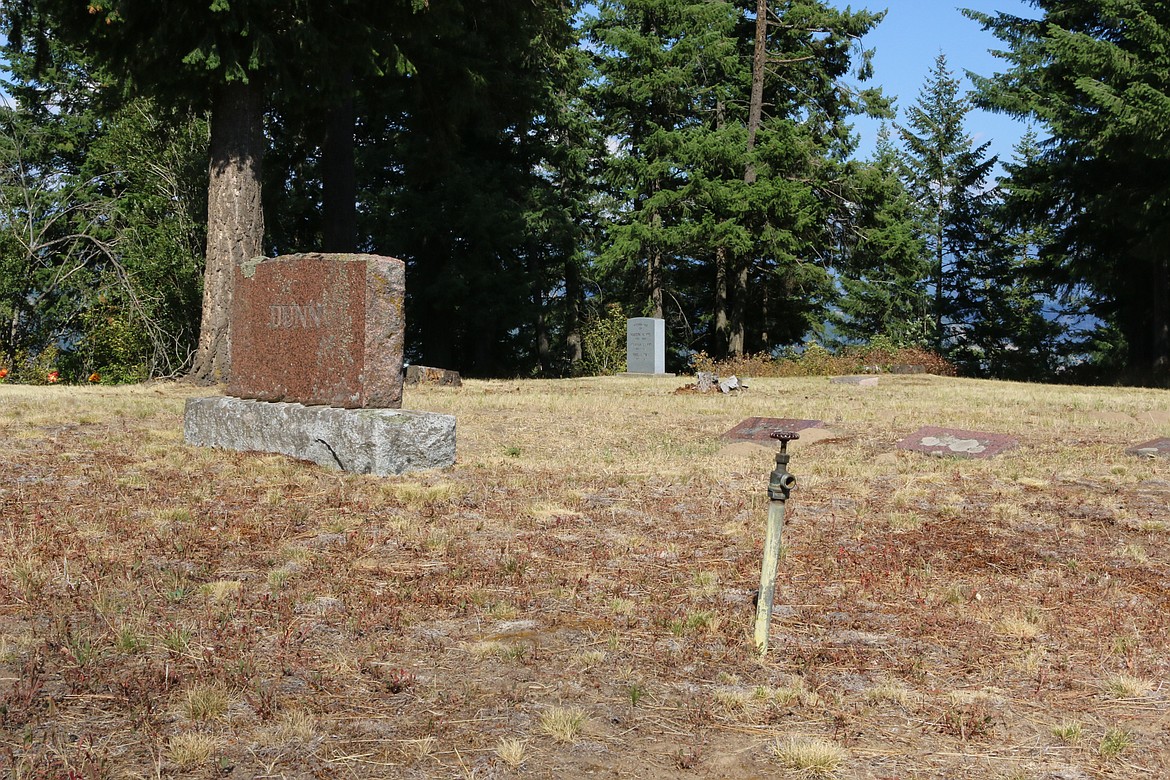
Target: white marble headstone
<point>645,345</point>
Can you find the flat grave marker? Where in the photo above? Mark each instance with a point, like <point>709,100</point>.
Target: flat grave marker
<point>951,442</point>
<point>1152,449</point>
<point>860,381</point>
<point>760,428</point>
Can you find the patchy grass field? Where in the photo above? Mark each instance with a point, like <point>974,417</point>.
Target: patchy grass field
<point>574,598</point>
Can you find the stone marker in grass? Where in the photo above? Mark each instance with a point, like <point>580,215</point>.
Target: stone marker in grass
<point>761,428</point>
<point>951,442</point>
<point>860,381</point>
<point>317,345</point>
<point>1152,449</point>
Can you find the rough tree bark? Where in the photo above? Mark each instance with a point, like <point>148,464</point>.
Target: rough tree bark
<point>574,343</point>
<point>539,305</point>
<point>235,220</point>
<point>737,338</point>
<point>722,301</point>
<point>654,282</point>
<point>654,263</point>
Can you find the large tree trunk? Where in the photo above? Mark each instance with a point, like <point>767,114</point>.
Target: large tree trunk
<point>573,297</point>
<point>759,68</point>
<point>738,342</point>
<point>736,271</point>
<point>654,263</point>
<point>654,282</point>
<point>338,173</point>
<point>722,302</point>
<point>235,219</point>
<point>543,347</point>
<point>940,335</point>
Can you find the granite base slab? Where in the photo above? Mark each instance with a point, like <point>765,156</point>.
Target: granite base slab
<point>361,441</point>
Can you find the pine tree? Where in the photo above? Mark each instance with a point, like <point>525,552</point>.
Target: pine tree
<point>55,216</point>
<point>653,61</point>
<point>1015,330</point>
<point>732,129</point>
<point>948,176</point>
<point>884,269</point>
<point>1094,74</point>
<point>561,214</point>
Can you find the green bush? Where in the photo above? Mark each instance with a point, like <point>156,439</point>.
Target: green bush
<point>603,342</point>
<point>36,369</point>
<point>112,347</point>
<point>815,360</point>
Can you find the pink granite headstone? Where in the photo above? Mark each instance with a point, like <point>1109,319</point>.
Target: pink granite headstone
<point>319,329</point>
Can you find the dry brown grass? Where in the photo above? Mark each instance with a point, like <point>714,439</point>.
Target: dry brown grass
<point>574,597</point>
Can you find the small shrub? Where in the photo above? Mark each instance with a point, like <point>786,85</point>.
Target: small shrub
<point>1068,732</point>
<point>43,368</point>
<point>563,724</point>
<point>205,702</point>
<point>292,726</point>
<point>815,360</point>
<point>112,346</point>
<point>190,749</point>
<point>1126,686</point>
<point>892,692</point>
<point>1114,743</point>
<point>512,751</point>
<point>969,717</point>
<point>812,756</point>
<point>603,340</point>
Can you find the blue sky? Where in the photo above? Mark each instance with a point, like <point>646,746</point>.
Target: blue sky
<point>910,38</point>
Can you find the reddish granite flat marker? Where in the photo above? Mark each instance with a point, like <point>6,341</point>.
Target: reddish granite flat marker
<point>760,428</point>
<point>959,444</point>
<point>1152,449</point>
<point>319,329</point>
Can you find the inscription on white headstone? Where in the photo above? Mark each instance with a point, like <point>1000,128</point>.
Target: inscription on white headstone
<point>645,345</point>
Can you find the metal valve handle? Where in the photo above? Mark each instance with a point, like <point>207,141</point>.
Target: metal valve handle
<point>784,437</point>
